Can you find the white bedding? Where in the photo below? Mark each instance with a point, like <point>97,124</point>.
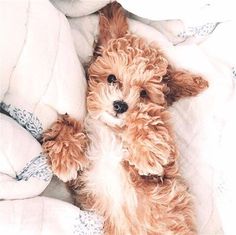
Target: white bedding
<point>204,125</point>
<point>46,216</point>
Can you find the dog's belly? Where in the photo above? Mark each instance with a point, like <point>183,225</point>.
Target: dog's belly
<point>107,180</point>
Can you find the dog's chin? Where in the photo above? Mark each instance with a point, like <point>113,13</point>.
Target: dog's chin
<point>111,120</point>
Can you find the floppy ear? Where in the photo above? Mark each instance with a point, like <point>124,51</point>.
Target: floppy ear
<point>112,24</point>
<point>182,84</point>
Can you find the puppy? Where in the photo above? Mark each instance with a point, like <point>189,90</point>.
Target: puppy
<point>124,156</point>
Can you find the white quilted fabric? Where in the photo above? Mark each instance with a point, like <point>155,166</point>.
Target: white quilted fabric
<point>40,73</point>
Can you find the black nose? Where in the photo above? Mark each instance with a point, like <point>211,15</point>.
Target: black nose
<point>120,106</point>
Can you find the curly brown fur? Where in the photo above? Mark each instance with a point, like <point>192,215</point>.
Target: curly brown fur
<point>65,144</point>
<point>183,84</point>
<point>132,178</point>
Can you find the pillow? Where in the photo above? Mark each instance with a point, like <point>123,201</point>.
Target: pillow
<point>40,73</point>
<point>24,171</point>
<point>78,8</point>
<point>46,216</point>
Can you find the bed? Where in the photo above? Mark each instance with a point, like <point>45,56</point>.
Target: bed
<point>44,47</point>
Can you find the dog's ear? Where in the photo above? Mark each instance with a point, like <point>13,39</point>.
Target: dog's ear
<point>182,84</point>
<point>112,23</point>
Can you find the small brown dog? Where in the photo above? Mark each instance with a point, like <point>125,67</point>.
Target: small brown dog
<point>124,152</point>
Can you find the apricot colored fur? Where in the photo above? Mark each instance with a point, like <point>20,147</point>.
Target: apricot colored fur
<point>127,163</point>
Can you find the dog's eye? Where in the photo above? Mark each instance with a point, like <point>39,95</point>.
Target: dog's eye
<point>111,78</point>
<point>143,94</point>
<point>166,77</point>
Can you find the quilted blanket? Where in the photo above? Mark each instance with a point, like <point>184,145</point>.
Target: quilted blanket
<point>42,76</point>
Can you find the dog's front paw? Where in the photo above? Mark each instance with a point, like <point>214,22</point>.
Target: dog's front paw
<point>65,144</point>
<point>64,168</point>
<point>145,168</point>
<point>66,173</point>
<point>150,170</point>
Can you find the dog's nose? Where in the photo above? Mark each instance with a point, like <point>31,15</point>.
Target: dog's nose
<point>120,106</point>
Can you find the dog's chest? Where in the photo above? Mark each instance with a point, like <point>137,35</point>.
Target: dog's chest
<point>106,177</point>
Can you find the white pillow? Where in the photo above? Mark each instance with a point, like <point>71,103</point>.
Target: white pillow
<point>40,72</point>
<point>46,216</point>
<point>24,171</point>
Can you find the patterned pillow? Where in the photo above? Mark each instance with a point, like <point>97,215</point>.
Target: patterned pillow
<point>24,171</point>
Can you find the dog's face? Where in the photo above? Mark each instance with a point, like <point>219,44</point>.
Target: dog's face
<point>128,75</point>
<point>126,78</point>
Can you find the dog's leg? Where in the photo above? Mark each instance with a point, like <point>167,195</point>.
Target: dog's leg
<point>65,143</point>
<point>151,148</point>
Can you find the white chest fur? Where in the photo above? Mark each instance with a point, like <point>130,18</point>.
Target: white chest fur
<point>107,179</point>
